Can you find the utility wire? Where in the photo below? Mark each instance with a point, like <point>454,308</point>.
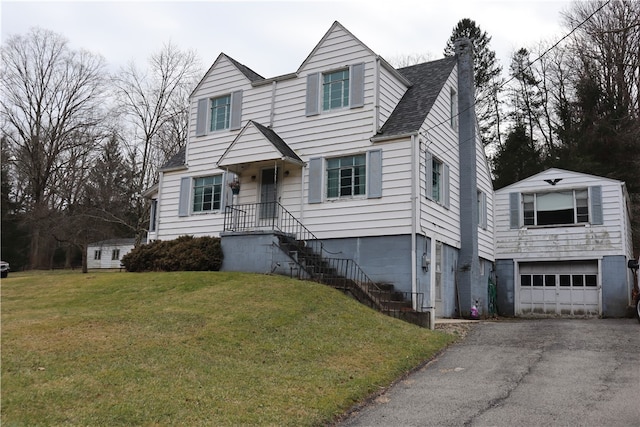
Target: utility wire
<point>448,119</point>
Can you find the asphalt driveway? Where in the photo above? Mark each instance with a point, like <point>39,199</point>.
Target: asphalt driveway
<point>522,373</point>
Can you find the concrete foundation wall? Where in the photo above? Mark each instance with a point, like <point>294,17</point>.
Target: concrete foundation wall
<point>614,286</point>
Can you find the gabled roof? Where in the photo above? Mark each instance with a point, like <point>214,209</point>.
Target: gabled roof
<point>177,161</point>
<point>247,147</point>
<point>555,173</point>
<point>277,142</point>
<point>248,72</point>
<point>427,81</point>
<point>115,242</point>
<point>251,75</point>
<point>335,26</point>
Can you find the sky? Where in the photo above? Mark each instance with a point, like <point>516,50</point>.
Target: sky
<point>275,37</point>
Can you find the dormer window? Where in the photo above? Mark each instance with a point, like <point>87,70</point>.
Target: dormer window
<point>335,90</point>
<point>220,113</point>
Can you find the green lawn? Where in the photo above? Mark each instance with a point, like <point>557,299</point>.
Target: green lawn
<point>193,348</point>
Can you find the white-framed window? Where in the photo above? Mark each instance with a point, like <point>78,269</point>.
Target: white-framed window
<point>97,254</point>
<point>115,254</point>
<point>153,215</point>
<point>220,113</point>
<point>346,176</point>
<point>335,90</point>
<point>556,208</point>
<point>437,180</point>
<point>453,108</point>
<point>207,193</point>
<point>223,112</point>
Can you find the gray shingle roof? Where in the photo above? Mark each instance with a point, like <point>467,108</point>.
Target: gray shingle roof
<point>277,142</point>
<point>427,81</point>
<point>248,72</point>
<point>177,160</point>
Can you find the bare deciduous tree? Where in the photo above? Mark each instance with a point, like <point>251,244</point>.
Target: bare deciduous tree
<point>51,100</point>
<point>156,103</point>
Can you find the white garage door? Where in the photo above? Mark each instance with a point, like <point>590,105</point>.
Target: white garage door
<point>559,288</point>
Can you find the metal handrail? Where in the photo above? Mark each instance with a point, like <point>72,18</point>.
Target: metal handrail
<point>340,272</point>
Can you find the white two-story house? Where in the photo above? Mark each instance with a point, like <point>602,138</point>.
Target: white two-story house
<point>381,166</point>
<point>563,240</point>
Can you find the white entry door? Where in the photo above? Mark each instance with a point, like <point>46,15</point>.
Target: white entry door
<point>559,288</point>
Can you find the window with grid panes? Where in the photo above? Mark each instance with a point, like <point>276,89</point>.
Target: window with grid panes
<point>207,193</point>
<point>335,90</point>
<point>346,176</point>
<point>220,112</point>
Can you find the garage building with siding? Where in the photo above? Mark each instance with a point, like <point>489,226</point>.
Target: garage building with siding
<point>562,243</point>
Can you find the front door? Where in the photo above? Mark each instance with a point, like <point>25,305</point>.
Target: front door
<point>268,194</point>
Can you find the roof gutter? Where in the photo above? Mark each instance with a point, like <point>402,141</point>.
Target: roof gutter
<point>385,138</point>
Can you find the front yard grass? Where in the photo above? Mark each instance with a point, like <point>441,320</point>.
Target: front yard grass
<point>193,348</point>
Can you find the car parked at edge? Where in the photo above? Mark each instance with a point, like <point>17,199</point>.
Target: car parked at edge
<point>4,269</point>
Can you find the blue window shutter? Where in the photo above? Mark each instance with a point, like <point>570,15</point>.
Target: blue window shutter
<point>185,196</point>
<point>514,210</point>
<point>374,174</point>
<point>356,83</point>
<point>428,171</point>
<point>201,121</point>
<point>313,92</point>
<point>236,110</point>
<point>315,180</point>
<point>595,195</point>
<point>445,185</point>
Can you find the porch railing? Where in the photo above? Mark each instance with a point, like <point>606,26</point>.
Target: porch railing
<point>269,216</point>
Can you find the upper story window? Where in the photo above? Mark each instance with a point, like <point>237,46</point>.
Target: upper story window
<point>437,180</point>
<point>556,208</point>
<point>335,90</point>
<point>220,113</point>
<point>207,193</point>
<point>453,109</point>
<point>346,176</point>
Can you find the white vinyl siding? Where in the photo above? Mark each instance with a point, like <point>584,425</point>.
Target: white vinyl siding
<point>107,254</point>
<point>386,206</point>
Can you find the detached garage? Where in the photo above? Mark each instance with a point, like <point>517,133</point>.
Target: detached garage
<point>562,243</point>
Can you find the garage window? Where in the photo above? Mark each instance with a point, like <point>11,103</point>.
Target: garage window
<point>563,280</point>
<point>556,208</point>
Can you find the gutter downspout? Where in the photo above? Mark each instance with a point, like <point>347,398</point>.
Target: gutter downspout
<point>414,216</point>
<point>158,203</point>
<point>376,106</point>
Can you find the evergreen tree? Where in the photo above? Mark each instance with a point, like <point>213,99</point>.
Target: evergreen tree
<point>487,78</point>
<point>516,159</point>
